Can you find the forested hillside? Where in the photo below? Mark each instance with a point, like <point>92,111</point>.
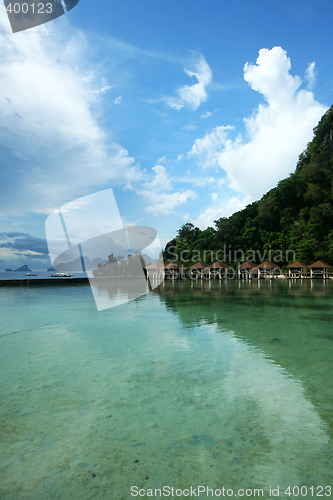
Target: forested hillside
<point>297,214</point>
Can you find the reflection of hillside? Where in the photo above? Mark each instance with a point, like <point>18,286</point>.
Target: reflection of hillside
<point>291,323</point>
<point>115,291</point>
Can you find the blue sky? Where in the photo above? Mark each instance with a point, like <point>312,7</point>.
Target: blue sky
<point>188,110</point>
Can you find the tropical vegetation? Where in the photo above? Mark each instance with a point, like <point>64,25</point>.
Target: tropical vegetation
<point>297,214</point>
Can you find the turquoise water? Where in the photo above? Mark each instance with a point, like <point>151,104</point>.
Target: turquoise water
<point>195,384</point>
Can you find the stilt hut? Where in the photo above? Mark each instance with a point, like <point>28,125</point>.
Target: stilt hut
<point>267,269</point>
<point>319,269</point>
<point>206,273</point>
<point>220,270</point>
<point>174,270</point>
<point>155,270</point>
<point>197,270</point>
<point>297,270</point>
<point>247,270</point>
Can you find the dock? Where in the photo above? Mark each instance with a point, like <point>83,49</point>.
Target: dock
<point>44,282</point>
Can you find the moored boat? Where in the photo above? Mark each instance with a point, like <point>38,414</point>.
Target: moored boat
<point>61,275</point>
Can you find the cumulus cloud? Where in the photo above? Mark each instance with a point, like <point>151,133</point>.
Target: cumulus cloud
<point>271,77</point>
<point>276,133</point>
<point>52,146</point>
<point>156,196</point>
<point>192,96</point>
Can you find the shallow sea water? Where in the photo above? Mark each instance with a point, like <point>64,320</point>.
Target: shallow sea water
<point>217,384</point>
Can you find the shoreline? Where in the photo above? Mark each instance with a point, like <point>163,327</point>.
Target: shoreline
<point>43,281</point>
<point>85,280</point>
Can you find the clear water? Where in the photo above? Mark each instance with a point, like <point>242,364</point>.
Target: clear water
<point>195,384</point>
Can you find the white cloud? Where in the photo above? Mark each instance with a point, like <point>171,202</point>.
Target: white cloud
<point>161,181</point>
<point>198,181</point>
<point>311,75</point>
<point>118,100</point>
<point>206,115</point>
<point>192,96</point>
<point>104,87</point>
<point>48,116</point>
<point>29,253</point>
<point>10,255</point>
<point>223,209</point>
<point>208,148</point>
<point>271,77</point>
<point>7,254</point>
<point>165,203</point>
<point>277,132</point>
<point>156,196</point>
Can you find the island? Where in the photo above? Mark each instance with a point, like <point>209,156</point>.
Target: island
<point>22,269</point>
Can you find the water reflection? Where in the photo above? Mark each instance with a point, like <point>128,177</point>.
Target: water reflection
<point>116,291</point>
<point>289,323</point>
<point>220,384</point>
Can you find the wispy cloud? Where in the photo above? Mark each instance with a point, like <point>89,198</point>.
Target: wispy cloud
<point>220,208</point>
<point>192,96</point>
<point>208,148</point>
<point>311,75</point>
<point>157,195</point>
<point>52,138</point>
<point>104,87</point>
<point>127,50</point>
<point>165,203</point>
<point>198,181</point>
<point>206,115</point>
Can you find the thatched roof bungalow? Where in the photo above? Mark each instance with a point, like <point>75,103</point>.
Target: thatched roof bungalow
<point>319,269</point>
<point>297,270</point>
<point>198,269</point>
<point>268,269</point>
<point>155,270</point>
<point>174,265</point>
<point>174,270</point>
<point>247,270</point>
<point>219,269</point>
<point>220,265</point>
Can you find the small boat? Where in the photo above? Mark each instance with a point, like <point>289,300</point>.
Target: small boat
<point>61,275</point>
<point>31,274</point>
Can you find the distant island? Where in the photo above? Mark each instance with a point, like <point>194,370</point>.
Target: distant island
<point>21,269</point>
<point>75,266</point>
